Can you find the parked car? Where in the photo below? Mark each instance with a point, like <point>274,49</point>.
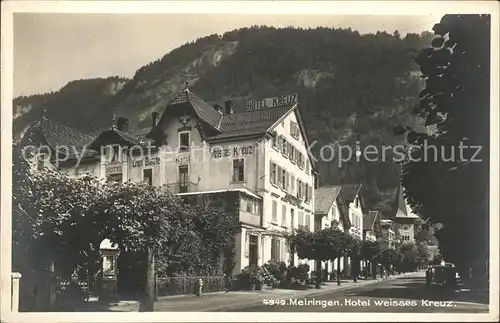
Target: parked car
<point>441,277</point>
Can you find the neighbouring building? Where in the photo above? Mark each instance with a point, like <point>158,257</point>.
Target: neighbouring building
<point>372,229</point>
<point>354,197</point>
<point>406,222</point>
<point>388,238</point>
<point>329,208</point>
<point>196,148</point>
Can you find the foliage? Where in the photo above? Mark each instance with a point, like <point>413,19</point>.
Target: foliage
<point>455,104</point>
<point>388,257</point>
<point>277,268</point>
<point>408,257</point>
<point>369,250</point>
<point>300,272</point>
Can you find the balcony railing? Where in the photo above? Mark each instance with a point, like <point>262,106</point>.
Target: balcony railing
<point>182,187</point>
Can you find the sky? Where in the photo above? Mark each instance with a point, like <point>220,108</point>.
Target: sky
<point>51,50</point>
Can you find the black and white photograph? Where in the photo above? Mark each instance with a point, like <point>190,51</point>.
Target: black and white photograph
<point>249,161</point>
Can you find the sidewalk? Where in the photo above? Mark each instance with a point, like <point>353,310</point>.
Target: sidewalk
<point>222,301</point>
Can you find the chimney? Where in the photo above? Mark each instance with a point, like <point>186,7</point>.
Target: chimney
<point>229,107</point>
<point>122,124</point>
<point>154,119</point>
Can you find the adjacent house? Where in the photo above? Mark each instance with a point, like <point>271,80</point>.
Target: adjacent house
<point>331,208</point>
<point>372,229</point>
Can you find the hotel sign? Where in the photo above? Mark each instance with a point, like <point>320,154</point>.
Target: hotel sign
<point>147,161</point>
<point>234,151</point>
<point>272,102</point>
<point>113,168</point>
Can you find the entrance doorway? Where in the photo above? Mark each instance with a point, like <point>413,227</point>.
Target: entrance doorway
<point>253,252</point>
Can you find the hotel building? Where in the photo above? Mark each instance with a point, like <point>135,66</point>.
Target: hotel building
<point>259,156</point>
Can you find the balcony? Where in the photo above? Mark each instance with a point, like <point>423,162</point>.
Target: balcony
<point>182,187</point>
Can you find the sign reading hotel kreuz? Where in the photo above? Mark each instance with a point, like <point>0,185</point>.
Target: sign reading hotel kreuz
<point>272,102</point>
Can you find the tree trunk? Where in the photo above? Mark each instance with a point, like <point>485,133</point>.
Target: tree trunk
<point>366,269</point>
<point>355,269</point>
<point>318,274</point>
<point>374,270</point>
<point>338,270</point>
<point>147,302</point>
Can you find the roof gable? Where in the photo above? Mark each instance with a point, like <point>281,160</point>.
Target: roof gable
<point>250,123</point>
<point>324,197</point>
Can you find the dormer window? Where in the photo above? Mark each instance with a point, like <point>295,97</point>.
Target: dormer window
<point>356,202</point>
<point>184,141</point>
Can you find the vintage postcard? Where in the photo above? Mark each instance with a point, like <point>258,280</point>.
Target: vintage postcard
<point>249,161</point>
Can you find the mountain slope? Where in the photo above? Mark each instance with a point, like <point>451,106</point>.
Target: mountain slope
<point>351,87</point>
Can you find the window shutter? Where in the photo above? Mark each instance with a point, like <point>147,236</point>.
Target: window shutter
<point>270,171</point>
<point>247,245</point>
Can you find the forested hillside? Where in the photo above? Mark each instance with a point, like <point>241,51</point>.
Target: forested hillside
<point>350,86</point>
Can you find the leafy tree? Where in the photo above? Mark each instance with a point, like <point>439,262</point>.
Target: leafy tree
<point>455,104</point>
<point>354,253</point>
<point>370,252</point>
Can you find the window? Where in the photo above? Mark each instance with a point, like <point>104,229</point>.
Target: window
<point>283,179</point>
<point>308,220</point>
<point>293,154</point>
<point>184,141</point>
<point>147,175</point>
<point>275,139</point>
<point>280,176</point>
<point>275,212</point>
<point>290,151</point>
<point>238,170</point>
<point>292,184</point>
<point>307,167</point>
<point>287,182</point>
<point>334,213</point>
<point>183,178</point>
<point>284,146</point>
<point>299,189</point>
<point>294,130</point>
<point>275,249</point>
<point>273,173</point>
<point>356,202</point>
<point>283,215</point>
<point>115,157</point>
<point>301,219</point>
<point>250,206</point>
<point>306,192</point>
<point>292,218</point>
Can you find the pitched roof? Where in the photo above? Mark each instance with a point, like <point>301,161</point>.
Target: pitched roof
<point>403,210</point>
<point>349,191</point>
<point>250,123</point>
<point>57,134</point>
<point>324,197</point>
<point>203,110</point>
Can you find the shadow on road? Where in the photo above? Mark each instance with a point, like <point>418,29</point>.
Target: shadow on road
<point>404,288</point>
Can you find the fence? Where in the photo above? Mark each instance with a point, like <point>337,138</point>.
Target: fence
<point>186,285</point>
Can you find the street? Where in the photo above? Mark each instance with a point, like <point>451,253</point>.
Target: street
<point>404,294</point>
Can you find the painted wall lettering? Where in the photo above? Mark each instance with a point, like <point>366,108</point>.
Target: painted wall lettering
<point>234,151</point>
<point>147,161</point>
<point>182,159</point>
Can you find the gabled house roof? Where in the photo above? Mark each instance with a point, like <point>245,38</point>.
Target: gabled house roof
<point>403,210</point>
<point>250,123</point>
<point>371,222</point>
<point>57,134</point>
<point>350,191</point>
<point>324,197</point>
<point>202,109</point>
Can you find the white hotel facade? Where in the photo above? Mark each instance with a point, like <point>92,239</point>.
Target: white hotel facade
<point>199,148</point>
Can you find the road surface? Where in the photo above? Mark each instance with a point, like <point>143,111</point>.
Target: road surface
<point>405,294</point>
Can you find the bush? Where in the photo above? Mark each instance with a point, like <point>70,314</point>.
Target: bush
<point>301,272</point>
<point>277,268</point>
